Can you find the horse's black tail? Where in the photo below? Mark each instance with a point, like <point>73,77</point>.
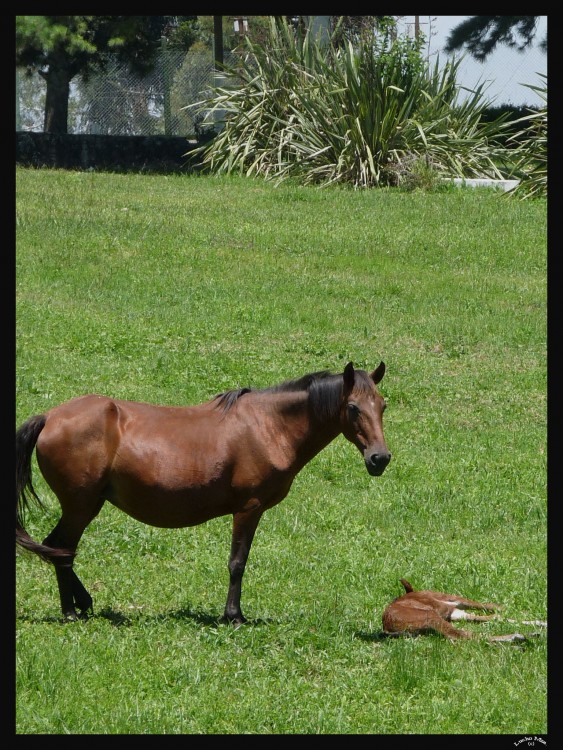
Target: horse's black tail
<point>26,438</point>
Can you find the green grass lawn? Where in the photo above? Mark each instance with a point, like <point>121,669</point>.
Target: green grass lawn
<point>170,289</point>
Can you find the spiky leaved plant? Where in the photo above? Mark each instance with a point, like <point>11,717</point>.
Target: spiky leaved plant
<point>360,113</point>
<point>531,164</point>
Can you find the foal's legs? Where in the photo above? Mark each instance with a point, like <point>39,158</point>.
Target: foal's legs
<point>67,534</point>
<point>461,614</point>
<point>244,526</point>
<point>463,603</point>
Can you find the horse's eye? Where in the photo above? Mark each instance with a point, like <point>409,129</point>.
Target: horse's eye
<point>353,411</point>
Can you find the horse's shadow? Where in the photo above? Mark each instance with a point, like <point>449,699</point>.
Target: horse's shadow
<point>119,619</point>
<point>198,616</point>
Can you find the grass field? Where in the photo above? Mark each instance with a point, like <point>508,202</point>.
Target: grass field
<point>171,289</point>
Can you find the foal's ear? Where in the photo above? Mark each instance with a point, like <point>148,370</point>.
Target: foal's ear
<point>378,373</point>
<point>349,376</point>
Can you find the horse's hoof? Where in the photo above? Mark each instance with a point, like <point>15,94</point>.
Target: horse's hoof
<point>233,619</point>
<point>75,616</point>
<point>85,606</point>
<point>71,616</point>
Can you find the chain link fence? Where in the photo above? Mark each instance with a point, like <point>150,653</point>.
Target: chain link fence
<point>118,102</point>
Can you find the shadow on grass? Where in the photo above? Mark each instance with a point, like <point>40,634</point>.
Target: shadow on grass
<point>185,613</point>
<point>120,619</point>
<point>380,635</point>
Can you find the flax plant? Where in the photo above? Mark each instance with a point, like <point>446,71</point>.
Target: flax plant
<point>531,166</point>
<point>363,113</point>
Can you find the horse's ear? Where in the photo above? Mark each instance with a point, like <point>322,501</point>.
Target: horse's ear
<point>378,373</point>
<point>349,376</point>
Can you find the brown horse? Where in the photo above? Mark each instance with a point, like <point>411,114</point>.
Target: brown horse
<point>180,466</point>
<point>425,611</point>
<point>417,612</point>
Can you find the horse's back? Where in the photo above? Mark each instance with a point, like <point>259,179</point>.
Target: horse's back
<point>92,428</point>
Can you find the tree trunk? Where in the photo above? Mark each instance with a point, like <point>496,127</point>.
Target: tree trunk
<point>56,101</point>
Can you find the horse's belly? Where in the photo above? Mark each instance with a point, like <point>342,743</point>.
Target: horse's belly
<point>171,508</point>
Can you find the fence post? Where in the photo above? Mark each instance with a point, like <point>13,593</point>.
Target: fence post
<point>166,86</point>
<point>218,74</point>
<point>18,112</point>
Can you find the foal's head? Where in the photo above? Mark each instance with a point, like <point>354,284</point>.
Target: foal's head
<point>361,415</point>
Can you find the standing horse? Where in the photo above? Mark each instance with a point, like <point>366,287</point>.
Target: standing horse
<point>173,466</point>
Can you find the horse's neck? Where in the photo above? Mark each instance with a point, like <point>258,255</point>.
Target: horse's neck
<point>308,433</point>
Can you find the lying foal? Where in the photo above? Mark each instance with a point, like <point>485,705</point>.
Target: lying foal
<point>432,611</point>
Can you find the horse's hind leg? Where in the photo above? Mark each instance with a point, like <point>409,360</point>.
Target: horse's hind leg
<point>73,594</point>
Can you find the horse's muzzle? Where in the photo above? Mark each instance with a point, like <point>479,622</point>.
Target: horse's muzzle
<point>376,462</point>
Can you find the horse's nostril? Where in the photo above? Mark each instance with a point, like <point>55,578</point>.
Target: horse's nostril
<point>380,459</point>
<point>376,463</point>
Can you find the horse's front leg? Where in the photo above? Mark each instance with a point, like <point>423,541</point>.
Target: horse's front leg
<point>244,526</point>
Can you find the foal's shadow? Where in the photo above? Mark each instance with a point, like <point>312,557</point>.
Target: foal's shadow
<point>376,636</point>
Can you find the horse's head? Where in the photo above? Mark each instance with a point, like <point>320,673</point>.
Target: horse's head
<point>361,416</point>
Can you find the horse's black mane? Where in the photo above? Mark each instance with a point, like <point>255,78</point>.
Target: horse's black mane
<point>324,388</point>
<point>228,399</point>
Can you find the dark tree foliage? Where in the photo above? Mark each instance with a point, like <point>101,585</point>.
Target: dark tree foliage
<point>61,47</point>
<point>480,35</point>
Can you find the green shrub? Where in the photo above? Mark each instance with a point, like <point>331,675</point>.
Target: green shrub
<point>531,165</point>
<point>359,113</point>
